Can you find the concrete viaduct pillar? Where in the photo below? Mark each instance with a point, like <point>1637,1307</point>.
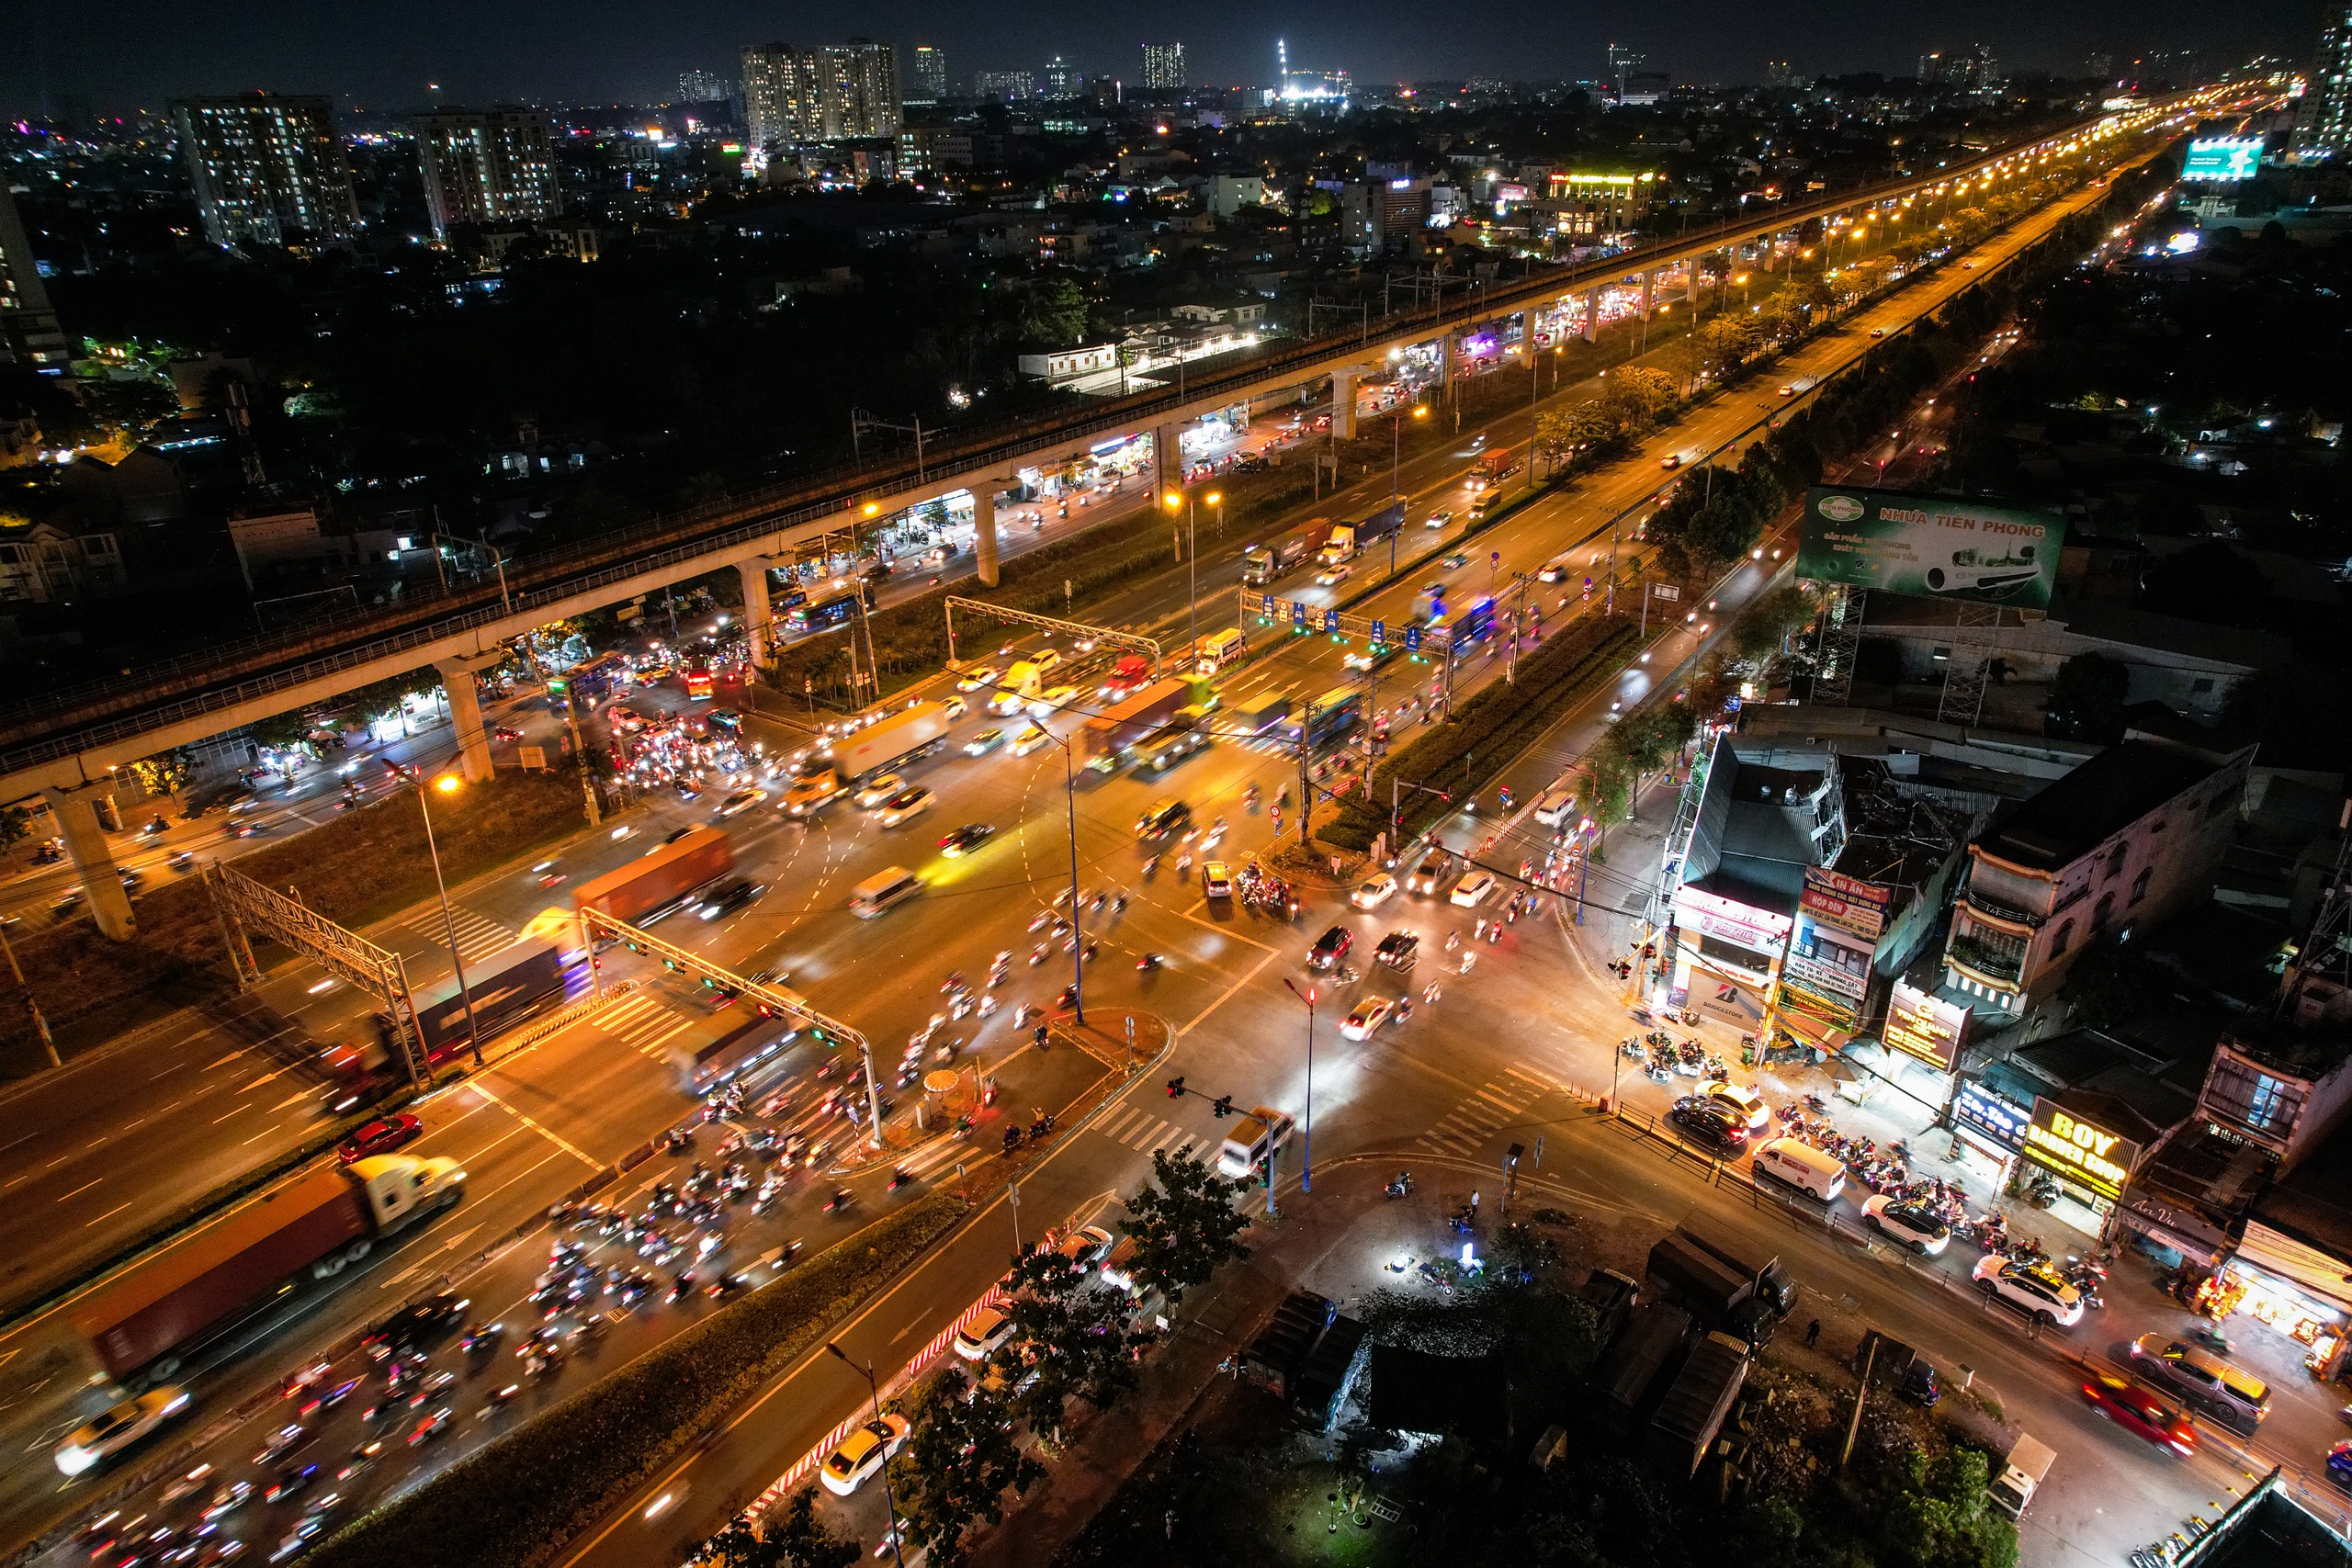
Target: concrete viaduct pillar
<point>465,714</point>
<point>1690,280</point>
<point>1343,404</point>
<point>984,527</point>
<point>1591,324</point>
<point>1649,292</point>
<point>1168,456</point>
<point>77,818</point>
<point>759,621</point>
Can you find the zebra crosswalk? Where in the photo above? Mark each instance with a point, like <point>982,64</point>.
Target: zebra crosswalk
<point>1468,1126</point>
<point>1137,1129</point>
<point>478,935</point>
<point>642,1023</point>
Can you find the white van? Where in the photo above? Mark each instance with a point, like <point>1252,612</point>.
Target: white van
<point>1260,1133</point>
<point>1221,650</point>
<point>882,890</point>
<point>1803,1167</point>
<point>1555,807</point>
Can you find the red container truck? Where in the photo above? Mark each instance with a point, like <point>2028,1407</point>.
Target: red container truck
<point>656,883</point>
<point>144,1325</point>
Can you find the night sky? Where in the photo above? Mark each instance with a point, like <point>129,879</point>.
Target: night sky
<point>381,55</point>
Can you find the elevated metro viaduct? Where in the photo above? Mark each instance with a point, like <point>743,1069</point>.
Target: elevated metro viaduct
<point>74,746</point>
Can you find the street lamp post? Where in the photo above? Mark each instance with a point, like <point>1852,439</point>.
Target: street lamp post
<point>1193,553</point>
<point>1307,1143</point>
<point>874,1391</point>
<point>447,785</point>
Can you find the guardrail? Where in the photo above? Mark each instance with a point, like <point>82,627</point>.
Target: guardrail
<point>820,499</point>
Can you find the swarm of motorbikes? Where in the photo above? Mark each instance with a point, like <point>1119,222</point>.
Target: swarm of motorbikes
<point>1882,1170</point>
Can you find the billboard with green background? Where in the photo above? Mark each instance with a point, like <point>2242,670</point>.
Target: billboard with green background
<point>1934,546</point>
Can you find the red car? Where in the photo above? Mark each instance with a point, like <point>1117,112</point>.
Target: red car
<point>381,1136</point>
<point>2135,1409</point>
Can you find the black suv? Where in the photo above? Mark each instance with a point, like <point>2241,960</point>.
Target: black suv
<point>1164,818</point>
<point>1330,947</point>
<point>1399,951</point>
<point>1711,1125</point>
<point>411,1326</point>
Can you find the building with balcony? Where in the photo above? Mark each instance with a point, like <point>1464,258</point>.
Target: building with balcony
<point>488,166</point>
<point>267,170</point>
<point>2123,840</point>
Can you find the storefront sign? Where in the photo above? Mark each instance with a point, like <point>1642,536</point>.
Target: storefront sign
<point>1982,1110</point>
<point>1806,995</point>
<point>1921,1024</point>
<point>2089,1157</point>
<point>1840,901</point>
<point>1761,931</point>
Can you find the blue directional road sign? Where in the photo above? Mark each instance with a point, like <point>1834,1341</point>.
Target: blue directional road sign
<point>1413,639</point>
<point>1379,633</point>
<point>1331,620</point>
<point>1266,605</point>
<point>1298,612</point>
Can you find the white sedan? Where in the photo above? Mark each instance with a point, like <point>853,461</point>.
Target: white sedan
<point>1004,704</point>
<point>1743,1100</point>
<point>1916,1227</point>
<point>1054,701</point>
<point>118,1427</point>
<point>1438,519</point>
<point>984,1334</point>
<point>1371,894</point>
<point>1332,575</point>
<point>905,807</point>
<point>864,1453</point>
<point>974,679</point>
<point>880,790</point>
<point>1368,1015</point>
<point>1472,890</point>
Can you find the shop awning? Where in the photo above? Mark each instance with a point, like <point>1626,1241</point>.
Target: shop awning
<point>2318,1274</point>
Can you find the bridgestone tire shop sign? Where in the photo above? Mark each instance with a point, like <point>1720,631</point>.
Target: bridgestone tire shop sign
<point>1931,547</point>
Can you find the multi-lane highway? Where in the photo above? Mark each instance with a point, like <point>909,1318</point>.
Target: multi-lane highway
<point>541,1121</point>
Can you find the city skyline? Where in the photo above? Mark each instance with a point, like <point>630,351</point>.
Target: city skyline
<point>387,62</point>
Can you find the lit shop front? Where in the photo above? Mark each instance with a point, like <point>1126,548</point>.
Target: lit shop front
<point>1988,1131</point>
<point>2293,1288</point>
<point>1825,982</point>
<point>1720,940</point>
<point>2089,1163</point>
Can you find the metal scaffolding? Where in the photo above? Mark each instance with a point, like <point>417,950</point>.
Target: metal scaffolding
<point>1841,636</point>
<point>1969,667</point>
<point>243,905</point>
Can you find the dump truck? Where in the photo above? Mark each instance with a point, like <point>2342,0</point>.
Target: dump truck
<point>1718,1295</point>
<point>1747,1258</point>
<point>1651,1341</point>
<point>660,881</point>
<point>904,736</point>
<point>1273,1360</point>
<point>1262,564</point>
<point>1107,737</point>
<point>144,1325</point>
<point>1697,1402</point>
<point>1349,540</point>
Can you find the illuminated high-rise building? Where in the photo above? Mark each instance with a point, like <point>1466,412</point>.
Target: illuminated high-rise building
<point>28,331</point>
<point>1163,67</point>
<point>819,94</point>
<point>930,75</point>
<point>2324,123</point>
<point>267,170</point>
<point>488,166</point>
<point>704,87</point>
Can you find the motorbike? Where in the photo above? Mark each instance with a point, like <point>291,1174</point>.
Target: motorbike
<point>900,1178</point>
<point>1150,961</point>
<point>1402,1187</point>
<point>841,1200</point>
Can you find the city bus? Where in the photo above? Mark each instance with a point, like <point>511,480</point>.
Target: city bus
<point>1475,621</point>
<point>1328,717</point>
<point>826,612</point>
<point>698,684</point>
<point>594,678</point>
